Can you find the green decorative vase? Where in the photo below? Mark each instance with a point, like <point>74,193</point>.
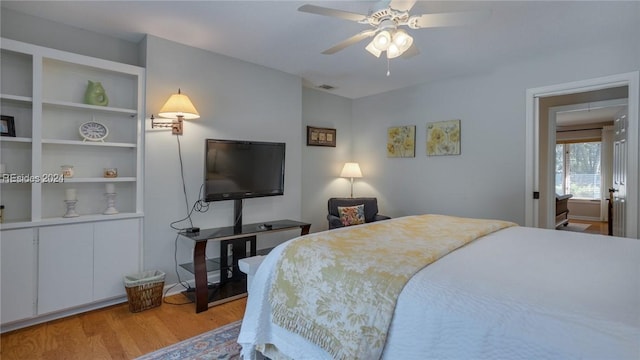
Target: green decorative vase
<point>95,94</point>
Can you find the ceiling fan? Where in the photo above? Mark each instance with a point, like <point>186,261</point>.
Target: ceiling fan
<point>386,20</point>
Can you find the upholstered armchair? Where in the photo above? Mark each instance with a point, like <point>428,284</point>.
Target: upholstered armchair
<point>370,210</point>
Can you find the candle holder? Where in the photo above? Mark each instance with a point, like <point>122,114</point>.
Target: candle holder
<point>67,171</point>
<point>111,202</point>
<point>71,209</point>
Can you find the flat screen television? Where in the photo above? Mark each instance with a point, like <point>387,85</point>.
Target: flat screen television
<point>236,169</point>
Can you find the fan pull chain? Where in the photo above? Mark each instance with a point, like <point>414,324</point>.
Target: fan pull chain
<point>388,71</point>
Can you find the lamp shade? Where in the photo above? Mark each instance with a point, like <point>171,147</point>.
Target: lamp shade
<point>382,40</point>
<point>351,170</point>
<point>393,51</point>
<point>179,105</point>
<point>373,50</point>
<point>402,40</point>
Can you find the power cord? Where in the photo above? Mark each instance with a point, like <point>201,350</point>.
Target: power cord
<point>187,287</point>
<point>200,206</point>
<point>184,186</point>
<point>164,299</point>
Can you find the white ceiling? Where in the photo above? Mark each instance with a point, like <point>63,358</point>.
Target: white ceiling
<point>276,35</point>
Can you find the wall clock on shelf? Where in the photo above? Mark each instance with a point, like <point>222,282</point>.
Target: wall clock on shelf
<point>93,131</point>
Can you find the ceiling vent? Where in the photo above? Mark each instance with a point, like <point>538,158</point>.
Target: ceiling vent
<point>326,87</point>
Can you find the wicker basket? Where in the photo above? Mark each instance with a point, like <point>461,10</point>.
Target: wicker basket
<point>144,290</point>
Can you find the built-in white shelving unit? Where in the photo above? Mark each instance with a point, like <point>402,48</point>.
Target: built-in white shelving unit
<point>43,90</point>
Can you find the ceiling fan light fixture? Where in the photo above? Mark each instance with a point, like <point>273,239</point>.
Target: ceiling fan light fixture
<point>373,50</point>
<point>382,40</point>
<point>393,51</point>
<point>402,40</point>
<point>386,19</point>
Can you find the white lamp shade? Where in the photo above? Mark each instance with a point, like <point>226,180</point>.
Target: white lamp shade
<point>372,49</point>
<point>393,51</point>
<point>351,170</point>
<point>382,40</point>
<point>402,40</point>
<point>179,105</point>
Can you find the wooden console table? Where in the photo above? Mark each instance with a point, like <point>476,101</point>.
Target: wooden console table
<point>232,282</point>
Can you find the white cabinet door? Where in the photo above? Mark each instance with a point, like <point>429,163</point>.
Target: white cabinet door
<point>18,272</point>
<point>116,254</point>
<point>65,273</point>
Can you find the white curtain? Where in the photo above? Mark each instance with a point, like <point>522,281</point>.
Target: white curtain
<point>606,182</point>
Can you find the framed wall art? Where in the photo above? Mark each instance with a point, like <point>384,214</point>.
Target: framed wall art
<point>321,136</point>
<point>401,141</point>
<point>7,126</point>
<point>443,138</point>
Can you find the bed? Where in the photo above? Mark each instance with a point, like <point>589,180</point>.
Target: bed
<point>514,293</point>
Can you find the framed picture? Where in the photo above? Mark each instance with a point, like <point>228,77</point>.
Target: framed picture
<point>7,126</point>
<point>321,136</point>
<point>443,138</point>
<point>401,141</point>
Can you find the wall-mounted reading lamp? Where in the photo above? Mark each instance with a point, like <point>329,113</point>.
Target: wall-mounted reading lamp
<point>179,108</point>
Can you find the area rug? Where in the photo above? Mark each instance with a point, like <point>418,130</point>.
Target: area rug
<point>575,227</point>
<point>219,344</point>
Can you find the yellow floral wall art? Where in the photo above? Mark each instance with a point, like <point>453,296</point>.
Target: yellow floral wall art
<point>443,138</point>
<point>401,141</point>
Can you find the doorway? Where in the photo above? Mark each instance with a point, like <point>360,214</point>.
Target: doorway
<point>581,138</point>
<point>540,193</point>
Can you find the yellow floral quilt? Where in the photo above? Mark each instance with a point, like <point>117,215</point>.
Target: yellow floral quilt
<point>338,289</point>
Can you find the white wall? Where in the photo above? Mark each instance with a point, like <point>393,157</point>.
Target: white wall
<point>584,209</point>
<point>321,166</point>
<point>34,30</point>
<point>487,179</point>
<point>236,100</point>
<point>467,185</point>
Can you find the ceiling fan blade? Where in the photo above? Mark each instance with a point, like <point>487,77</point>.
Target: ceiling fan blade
<point>350,41</point>
<point>447,19</point>
<point>411,52</point>
<point>318,10</point>
<point>402,5</point>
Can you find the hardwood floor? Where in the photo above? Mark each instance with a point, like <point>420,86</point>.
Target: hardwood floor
<point>116,333</point>
<point>597,227</point>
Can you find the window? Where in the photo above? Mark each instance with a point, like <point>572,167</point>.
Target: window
<point>578,169</point>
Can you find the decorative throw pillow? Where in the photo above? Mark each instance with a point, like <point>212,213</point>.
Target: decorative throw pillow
<point>351,215</point>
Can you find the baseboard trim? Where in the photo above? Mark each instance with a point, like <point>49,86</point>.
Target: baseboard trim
<point>169,290</point>
<point>584,218</point>
<point>177,288</point>
<point>19,324</point>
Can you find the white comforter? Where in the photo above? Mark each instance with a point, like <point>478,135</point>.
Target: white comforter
<point>519,293</point>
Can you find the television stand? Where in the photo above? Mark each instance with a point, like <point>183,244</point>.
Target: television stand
<point>242,241</point>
